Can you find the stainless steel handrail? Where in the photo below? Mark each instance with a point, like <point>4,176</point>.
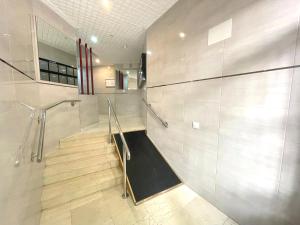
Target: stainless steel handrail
<point>149,107</point>
<point>42,121</point>
<point>21,149</point>
<point>125,149</point>
<point>50,106</point>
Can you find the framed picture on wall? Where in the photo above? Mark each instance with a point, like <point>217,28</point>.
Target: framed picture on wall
<point>110,83</point>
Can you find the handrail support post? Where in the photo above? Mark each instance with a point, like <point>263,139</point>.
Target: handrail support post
<point>109,124</point>
<point>124,195</point>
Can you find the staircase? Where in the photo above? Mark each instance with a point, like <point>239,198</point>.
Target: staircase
<point>76,172</point>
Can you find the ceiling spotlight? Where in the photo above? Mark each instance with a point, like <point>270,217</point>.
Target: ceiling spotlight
<point>94,39</point>
<point>106,4</point>
<point>149,53</point>
<point>97,61</point>
<point>182,35</point>
<point>127,71</point>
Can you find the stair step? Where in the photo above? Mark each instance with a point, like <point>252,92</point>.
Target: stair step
<point>84,136</point>
<point>65,157</point>
<point>61,215</point>
<point>104,149</point>
<point>60,193</point>
<point>78,143</point>
<point>71,169</point>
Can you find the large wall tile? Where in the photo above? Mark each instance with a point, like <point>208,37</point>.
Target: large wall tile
<point>254,45</point>
<point>244,157</point>
<point>290,181</point>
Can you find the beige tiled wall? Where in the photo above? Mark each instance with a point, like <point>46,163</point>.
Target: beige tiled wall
<point>20,189</point>
<point>245,156</point>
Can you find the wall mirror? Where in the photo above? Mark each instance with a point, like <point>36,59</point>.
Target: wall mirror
<point>57,55</point>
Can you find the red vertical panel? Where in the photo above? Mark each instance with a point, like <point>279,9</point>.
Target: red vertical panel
<point>92,75</point>
<point>87,69</point>
<point>80,61</point>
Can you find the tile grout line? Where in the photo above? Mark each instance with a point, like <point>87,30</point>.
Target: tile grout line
<point>288,113</point>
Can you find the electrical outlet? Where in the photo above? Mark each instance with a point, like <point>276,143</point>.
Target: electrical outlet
<point>196,125</point>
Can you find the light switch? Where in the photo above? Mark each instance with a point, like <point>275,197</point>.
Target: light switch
<point>196,125</point>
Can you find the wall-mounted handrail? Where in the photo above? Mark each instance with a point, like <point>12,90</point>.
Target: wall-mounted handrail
<point>149,108</point>
<point>126,152</point>
<point>42,122</point>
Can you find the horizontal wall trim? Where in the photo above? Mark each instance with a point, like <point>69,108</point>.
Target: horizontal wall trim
<point>227,76</point>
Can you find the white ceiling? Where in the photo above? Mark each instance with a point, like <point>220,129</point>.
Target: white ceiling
<point>123,22</point>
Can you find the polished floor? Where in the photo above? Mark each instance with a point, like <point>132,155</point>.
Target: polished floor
<point>180,206</point>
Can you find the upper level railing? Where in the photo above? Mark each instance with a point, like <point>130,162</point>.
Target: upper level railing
<point>16,69</point>
<point>126,152</point>
<point>150,109</point>
<point>21,150</point>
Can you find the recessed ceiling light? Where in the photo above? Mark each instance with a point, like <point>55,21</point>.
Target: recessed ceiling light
<point>106,4</point>
<point>127,71</point>
<point>182,35</point>
<point>149,52</point>
<point>94,39</point>
<point>97,61</point>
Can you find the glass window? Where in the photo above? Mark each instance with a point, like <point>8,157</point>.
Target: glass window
<point>63,79</point>
<point>75,72</point>
<point>53,67</point>
<point>62,69</point>
<point>44,76</point>
<point>71,80</point>
<point>54,77</point>
<point>70,71</point>
<point>43,64</point>
<point>57,72</point>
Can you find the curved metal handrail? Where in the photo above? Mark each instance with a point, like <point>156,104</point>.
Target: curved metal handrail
<point>126,151</point>
<point>52,105</point>
<point>149,107</point>
<point>42,121</point>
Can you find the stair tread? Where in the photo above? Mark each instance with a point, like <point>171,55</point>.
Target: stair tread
<point>79,182</point>
<point>59,193</point>
<point>77,173</point>
<point>68,166</point>
<point>83,136</point>
<point>80,143</point>
<point>63,157</point>
<point>84,149</point>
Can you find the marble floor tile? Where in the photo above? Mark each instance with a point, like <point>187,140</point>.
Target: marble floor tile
<point>180,206</point>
